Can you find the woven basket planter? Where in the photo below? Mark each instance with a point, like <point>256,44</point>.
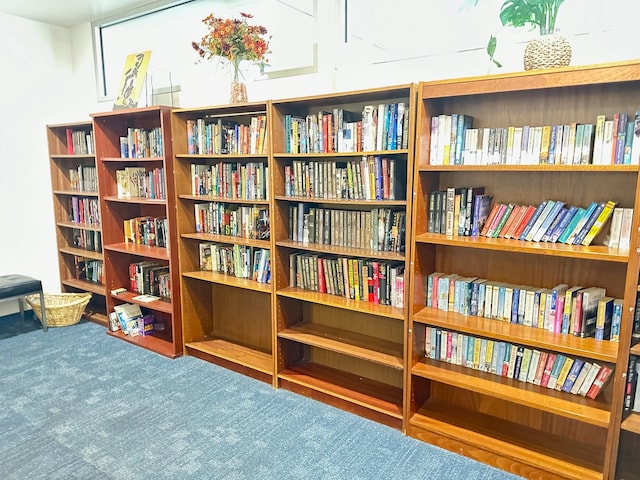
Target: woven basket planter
<point>547,51</point>
<point>62,309</point>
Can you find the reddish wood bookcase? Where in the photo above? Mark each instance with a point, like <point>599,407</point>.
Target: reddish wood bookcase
<point>521,427</point>
<point>334,346</point>
<point>226,313</point>
<point>76,213</point>
<point>110,128</point>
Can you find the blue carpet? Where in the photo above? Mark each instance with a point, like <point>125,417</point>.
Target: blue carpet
<point>78,404</point>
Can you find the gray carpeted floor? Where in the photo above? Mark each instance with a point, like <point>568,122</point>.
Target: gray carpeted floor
<point>78,404</point>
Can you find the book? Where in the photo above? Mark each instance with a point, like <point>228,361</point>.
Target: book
<point>589,223</point>
<point>556,368</point>
<point>584,371</point>
<point>491,217</point>
<point>564,372</point>
<point>612,240</point>
<point>546,373</point>
<point>548,219</point>
<point>589,379</point>
<point>600,380</point>
<point>481,212</point>
<point>532,221</point>
<point>562,237</point>
<point>616,318</point>
<point>604,318</point>
<point>572,375</point>
<point>585,325</point>
<point>528,214</point>
<point>599,223</point>
<point>583,219</point>
<point>504,217</point>
<point>625,228</point>
<point>635,142</point>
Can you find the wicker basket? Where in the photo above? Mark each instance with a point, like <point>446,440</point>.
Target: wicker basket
<point>548,51</point>
<point>62,309</point>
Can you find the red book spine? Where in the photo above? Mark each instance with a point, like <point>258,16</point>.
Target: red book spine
<point>376,282</point>
<point>601,379</point>
<point>523,223</point>
<point>70,149</point>
<point>491,218</point>
<point>322,284</point>
<point>547,369</point>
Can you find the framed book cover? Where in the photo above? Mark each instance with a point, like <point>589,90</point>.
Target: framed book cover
<point>132,81</point>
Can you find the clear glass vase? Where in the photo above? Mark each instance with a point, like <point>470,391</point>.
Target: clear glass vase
<point>238,87</point>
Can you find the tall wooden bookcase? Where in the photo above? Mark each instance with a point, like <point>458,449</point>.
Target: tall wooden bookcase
<point>346,352</point>
<point>222,168</point>
<point>110,130</point>
<point>529,430</point>
<point>76,213</point>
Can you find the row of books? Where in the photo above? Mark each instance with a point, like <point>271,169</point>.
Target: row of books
<point>79,142</point>
<point>377,127</point>
<point>576,310</point>
<point>250,222</point>
<point>378,229</point>
<point>145,230</point>
<point>615,140</point>
<point>209,136</point>
<point>83,178</point>
<point>632,391</point>
<point>142,143</point>
<point>150,278</point>
<point>236,260</point>
<point>87,239</point>
<point>246,181</point>
<point>468,211</point>
<point>552,370</point>
<point>87,269</point>
<point>129,319</point>
<point>133,182</point>
<point>84,210</point>
<point>374,177</point>
<point>367,280</point>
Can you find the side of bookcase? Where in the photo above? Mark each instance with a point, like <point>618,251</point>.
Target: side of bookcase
<point>338,347</point>
<point>110,128</point>
<point>521,427</point>
<point>226,316</point>
<point>75,192</point>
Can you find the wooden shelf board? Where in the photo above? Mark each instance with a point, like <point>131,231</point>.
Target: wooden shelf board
<point>575,407</point>
<point>96,288</point>
<point>383,352</point>
<point>335,250</point>
<point>210,198</point>
<point>80,226</point>
<point>150,342</point>
<point>604,351</point>
<point>81,252</point>
<point>341,201</point>
<point>345,386</point>
<point>159,253</point>
<point>210,237</point>
<point>221,278</point>
<point>635,350</point>
<point>593,252</point>
<point>530,168</point>
<point>341,302</point>
<point>157,305</point>
<point>506,439</point>
<point>331,155</point>
<point>76,193</point>
<point>137,200</point>
<point>72,156</point>
<point>235,353</point>
<point>132,159</point>
<point>632,423</point>
<point>223,156</point>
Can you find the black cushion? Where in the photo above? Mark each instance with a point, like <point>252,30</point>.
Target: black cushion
<point>16,285</point>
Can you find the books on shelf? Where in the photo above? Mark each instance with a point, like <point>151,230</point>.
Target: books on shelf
<point>216,136</point>
<point>236,260</point>
<point>455,141</point>
<point>237,180</point>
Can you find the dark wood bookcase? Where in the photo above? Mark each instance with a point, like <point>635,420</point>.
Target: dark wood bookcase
<point>529,430</point>
<point>226,317</point>
<point>346,352</point>
<point>109,129</point>
<point>71,157</point>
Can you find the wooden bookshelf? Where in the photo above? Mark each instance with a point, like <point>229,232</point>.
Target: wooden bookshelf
<point>227,316</point>
<point>157,155</point>
<point>333,347</point>
<point>523,428</point>
<point>73,181</point>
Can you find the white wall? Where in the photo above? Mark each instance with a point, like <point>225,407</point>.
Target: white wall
<point>51,80</point>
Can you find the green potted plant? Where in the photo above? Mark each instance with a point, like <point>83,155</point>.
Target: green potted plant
<point>550,49</point>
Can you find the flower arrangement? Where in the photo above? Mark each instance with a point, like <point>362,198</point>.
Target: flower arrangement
<point>234,40</point>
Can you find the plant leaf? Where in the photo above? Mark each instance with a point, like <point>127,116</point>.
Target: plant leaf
<point>491,46</point>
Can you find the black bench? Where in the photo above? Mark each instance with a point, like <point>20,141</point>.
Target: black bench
<point>19,286</point>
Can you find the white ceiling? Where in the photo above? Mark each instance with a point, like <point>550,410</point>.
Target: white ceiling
<point>69,13</point>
